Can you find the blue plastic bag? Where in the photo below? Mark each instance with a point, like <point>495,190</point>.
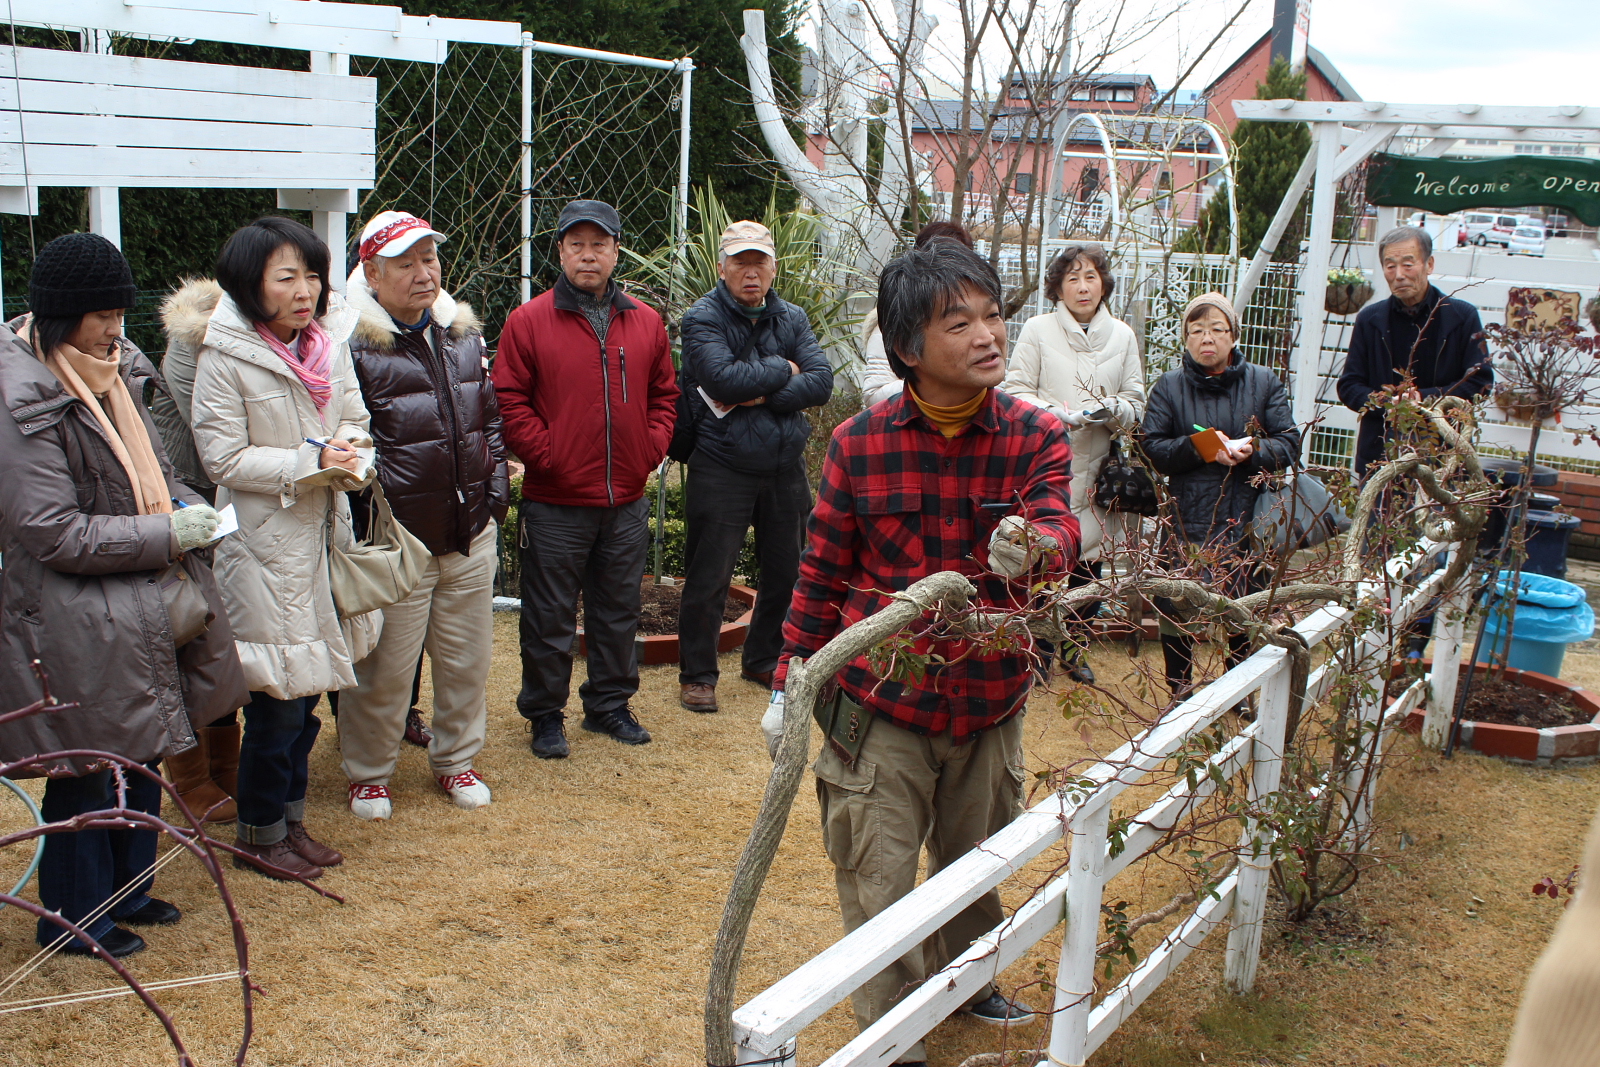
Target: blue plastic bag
<point>1547,609</point>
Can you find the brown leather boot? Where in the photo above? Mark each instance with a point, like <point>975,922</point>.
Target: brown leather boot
<point>698,696</point>
<point>279,854</point>
<point>312,850</point>
<point>222,754</point>
<point>190,773</point>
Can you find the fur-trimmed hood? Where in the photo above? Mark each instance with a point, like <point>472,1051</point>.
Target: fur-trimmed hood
<point>376,326</point>
<point>186,312</point>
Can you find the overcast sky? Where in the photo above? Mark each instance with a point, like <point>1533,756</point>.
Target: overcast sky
<point>1425,51</point>
<point>1536,52</point>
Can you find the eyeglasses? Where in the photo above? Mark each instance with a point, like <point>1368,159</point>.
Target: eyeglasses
<point>1206,331</point>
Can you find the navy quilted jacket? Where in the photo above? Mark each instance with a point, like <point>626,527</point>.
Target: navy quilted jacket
<point>768,437</point>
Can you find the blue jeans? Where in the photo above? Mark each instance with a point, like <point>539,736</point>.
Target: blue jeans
<point>81,871</point>
<point>273,767</point>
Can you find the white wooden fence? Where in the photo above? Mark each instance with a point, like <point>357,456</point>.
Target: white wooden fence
<point>766,1029</point>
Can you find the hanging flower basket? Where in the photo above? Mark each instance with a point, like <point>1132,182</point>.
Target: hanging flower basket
<point>1348,298</point>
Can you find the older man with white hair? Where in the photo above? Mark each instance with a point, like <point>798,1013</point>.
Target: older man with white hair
<point>421,361</point>
<point>751,368</point>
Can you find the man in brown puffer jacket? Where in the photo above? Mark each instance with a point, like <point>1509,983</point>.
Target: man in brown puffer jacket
<point>421,362</point>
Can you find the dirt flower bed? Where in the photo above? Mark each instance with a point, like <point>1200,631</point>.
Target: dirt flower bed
<point>1510,704</point>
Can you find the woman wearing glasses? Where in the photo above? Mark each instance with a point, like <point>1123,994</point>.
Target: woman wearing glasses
<point>1214,389</point>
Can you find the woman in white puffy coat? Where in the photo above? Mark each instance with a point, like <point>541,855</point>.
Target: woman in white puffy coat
<point>1082,364</point>
<point>273,374</point>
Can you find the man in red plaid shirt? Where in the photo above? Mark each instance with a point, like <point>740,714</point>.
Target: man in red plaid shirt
<point>951,474</point>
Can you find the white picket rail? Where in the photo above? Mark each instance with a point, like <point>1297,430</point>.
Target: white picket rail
<point>766,1028</point>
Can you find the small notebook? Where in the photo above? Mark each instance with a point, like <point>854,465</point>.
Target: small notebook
<point>338,477</point>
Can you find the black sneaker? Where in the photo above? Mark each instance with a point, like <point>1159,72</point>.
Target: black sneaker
<point>620,724</point>
<point>999,1011</point>
<point>154,913</point>
<point>549,737</point>
<point>119,943</point>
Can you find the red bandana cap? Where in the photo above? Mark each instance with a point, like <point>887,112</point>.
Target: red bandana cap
<point>392,232</point>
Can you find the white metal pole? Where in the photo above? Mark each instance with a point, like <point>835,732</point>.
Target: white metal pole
<point>1304,369</point>
<point>525,284</point>
<point>681,215</point>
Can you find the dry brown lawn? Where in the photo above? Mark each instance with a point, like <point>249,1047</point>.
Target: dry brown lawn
<point>570,922</point>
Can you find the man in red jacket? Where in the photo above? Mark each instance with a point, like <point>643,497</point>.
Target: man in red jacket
<point>588,398</point>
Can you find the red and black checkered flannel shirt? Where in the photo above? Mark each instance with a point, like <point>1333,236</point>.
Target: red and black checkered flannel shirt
<point>900,501</point>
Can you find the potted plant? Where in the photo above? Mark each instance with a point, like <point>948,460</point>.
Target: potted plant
<point>1513,402</point>
<point>1348,291</point>
<point>1544,368</point>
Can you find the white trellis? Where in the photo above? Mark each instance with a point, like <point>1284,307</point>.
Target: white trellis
<point>766,1029</point>
<point>1343,135</point>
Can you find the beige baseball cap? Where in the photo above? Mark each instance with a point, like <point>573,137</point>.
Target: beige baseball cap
<point>748,236</point>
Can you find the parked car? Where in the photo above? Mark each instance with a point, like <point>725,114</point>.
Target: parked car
<point>1484,228</point>
<point>1555,225</point>
<point>1527,241</point>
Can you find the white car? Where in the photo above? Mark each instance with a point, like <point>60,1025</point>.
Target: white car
<point>1527,240</point>
<point>1484,228</point>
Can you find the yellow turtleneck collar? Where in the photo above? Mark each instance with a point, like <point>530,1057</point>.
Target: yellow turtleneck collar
<point>952,420</point>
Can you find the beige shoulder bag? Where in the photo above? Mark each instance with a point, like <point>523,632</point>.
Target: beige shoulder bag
<point>379,571</point>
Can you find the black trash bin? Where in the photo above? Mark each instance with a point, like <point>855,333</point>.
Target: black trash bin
<point>1548,534</point>
<point>1508,471</point>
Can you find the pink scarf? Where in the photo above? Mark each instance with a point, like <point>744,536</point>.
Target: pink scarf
<point>313,365</point>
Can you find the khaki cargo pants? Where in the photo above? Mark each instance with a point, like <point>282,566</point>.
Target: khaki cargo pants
<point>451,614</point>
<point>907,790</point>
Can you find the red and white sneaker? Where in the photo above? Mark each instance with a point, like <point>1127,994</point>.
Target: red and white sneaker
<point>467,789</point>
<point>370,802</point>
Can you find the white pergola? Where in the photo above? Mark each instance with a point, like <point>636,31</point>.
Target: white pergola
<point>110,122</point>
<point>1343,135</point>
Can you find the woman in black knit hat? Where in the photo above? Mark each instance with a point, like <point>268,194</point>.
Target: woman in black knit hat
<point>95,533</point>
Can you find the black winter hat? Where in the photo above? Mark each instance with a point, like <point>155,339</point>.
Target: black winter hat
<point>78,273</point>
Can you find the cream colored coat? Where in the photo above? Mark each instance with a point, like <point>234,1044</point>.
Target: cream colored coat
<point>1058,365</point>
<point>251,418</point>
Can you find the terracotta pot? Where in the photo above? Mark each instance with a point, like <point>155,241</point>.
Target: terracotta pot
<point>1551,746</point>
<point>1346,299</point>
<point>664,648</point>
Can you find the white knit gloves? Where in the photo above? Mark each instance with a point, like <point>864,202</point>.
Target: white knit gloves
<point>194,526</point>
<point>772,723</point>
<point>1017,546</point>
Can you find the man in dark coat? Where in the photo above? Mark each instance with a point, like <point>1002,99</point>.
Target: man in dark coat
<point>1417,344</point>
<point>585,380</point>
<point>751,366</point>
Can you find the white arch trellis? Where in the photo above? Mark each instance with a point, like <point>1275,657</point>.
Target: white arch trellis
<point>1343,135</point>
<point>1108,152</point>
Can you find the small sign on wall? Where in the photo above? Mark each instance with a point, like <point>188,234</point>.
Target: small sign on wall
<point>1535,308</point>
